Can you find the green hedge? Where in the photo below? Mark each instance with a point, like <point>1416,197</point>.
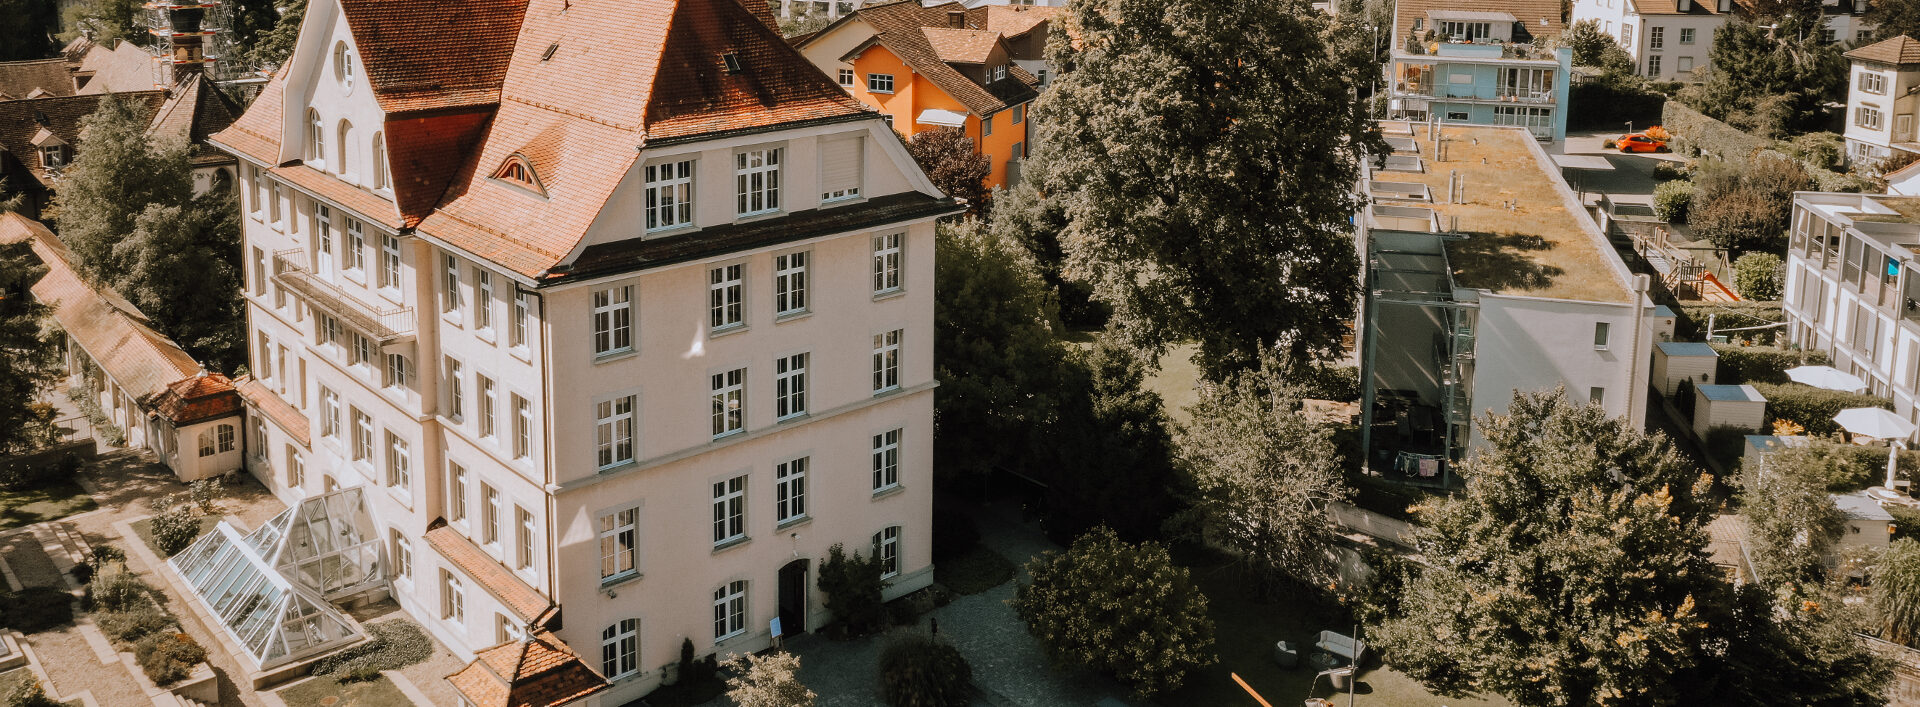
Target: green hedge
<point>1760,364</point>
<point>1694,132</point>
<point>1861,467</point>
<point>1812,407</point>
<point>1692,322</point>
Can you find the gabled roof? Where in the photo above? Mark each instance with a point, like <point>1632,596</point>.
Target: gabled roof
<point>195,109</point>
<point>433,54</point>
<point>117,67</point>
<point>207,396</point>
<point>1898,51</point>
<point>21,120</point>
<point>901,28</point>
<point>961,46</point>
<point>1701,8</point>
<point>18,79</point>
<point>108,327</point>
<point>1540,17</point>
<point>539,671</point>
<point>1015,20</point>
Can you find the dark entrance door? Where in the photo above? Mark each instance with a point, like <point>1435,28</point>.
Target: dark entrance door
<point>793,598</point>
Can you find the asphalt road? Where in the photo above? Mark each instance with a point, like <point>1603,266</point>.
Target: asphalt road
<point>1631,179</point>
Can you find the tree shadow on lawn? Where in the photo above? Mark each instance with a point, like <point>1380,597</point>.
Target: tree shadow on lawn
<point>1501,261</point>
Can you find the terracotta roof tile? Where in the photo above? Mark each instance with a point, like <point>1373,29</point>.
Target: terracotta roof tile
<point>256,133</point>
<point>433,54</point>
<point>195,110</point>
<point>1898,50</point>
<point>105,325</point>
<point>20,120</point>
<point>352,197</point>
<point>118,68</point>
<point>197,399</point>
<point>1015,20</point>
<point>424,155</point>
<point>1672,7</point>
<point>20,78</point>
<point>537,672</point>
<point>901,29</point>
<point>525,602</point>
<point>1540,17</point>
<point>284,415</point>
<point>963,46</point>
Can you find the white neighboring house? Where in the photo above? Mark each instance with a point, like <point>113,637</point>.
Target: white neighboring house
<point>635,334</point>
<point>1668,39</point>
<point>1881,101</point>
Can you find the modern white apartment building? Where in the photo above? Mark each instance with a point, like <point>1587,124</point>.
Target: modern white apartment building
<point>1881,101</point>
<point>1668,39</point>
<point>1852,289</point>
<point>620,311</point>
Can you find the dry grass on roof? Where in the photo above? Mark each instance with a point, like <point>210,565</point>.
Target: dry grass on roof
<point>1909,209</point>
<point>1539,248</point>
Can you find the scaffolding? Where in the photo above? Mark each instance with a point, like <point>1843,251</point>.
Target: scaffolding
<point>190,36</point>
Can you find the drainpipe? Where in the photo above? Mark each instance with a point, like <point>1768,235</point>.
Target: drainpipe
<point>1636,392</point>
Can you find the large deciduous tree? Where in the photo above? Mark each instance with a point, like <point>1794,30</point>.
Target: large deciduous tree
<point>1110,451</point>
<point>127,209</point>
<point>26,29</point>
<point>1265,473</point>
<point>1195,149</point>
<point>953,165</point>
<point>1893,18</point>
<point>1790,518</point>
<point>28,364</point>
<point>1774,81</point>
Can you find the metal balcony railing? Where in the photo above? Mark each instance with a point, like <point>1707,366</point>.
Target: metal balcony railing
<point>383,324</point>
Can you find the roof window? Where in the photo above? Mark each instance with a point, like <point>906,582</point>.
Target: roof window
<point>731,60</point>
<point>518,172</point>
<point>551,48</point>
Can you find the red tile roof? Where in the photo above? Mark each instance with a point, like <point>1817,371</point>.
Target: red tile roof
<point>1015,20</point>
<point>19,79</point>
<point>1898,50</point>
<point>961,46</point>
<point>194,110</point>
<point>256,134</point>
<point>108,327</point>
<point>284,415</point>
<point>20,120</point>
<point>537,672</point>
<point>1540,17</point>
<point>203,397</point>
<point>524,601</point>
<point>433,54</point>
<point>901,28</point>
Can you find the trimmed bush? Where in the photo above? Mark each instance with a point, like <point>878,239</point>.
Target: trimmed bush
<point>1694,132</point>
<point>1672,199</point>
<point>118,591</point>
<point>853,585</point>
<point>1693,318</point>
<point>394,645</point>
<point>126,628</point>
<point>917,670</point>
<point>168,657</point>
<point>1813,408</point>
<point>1761,364</point>
<point>175,528</point>
<point>1667,171</point>
<point>1758,276</point>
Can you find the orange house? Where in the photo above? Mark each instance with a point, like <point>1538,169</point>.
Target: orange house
<point>927,68</point>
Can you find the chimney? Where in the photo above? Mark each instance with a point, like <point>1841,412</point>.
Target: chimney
<point>1726,6</point>
<point>957,19</point>
<point>1685,6</point>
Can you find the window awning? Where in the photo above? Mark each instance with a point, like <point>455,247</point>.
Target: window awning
<point>936,116</point>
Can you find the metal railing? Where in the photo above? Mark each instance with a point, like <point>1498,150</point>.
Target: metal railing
<point>382,323</point>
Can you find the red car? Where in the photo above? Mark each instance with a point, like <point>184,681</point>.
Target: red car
<point>1639,142</point>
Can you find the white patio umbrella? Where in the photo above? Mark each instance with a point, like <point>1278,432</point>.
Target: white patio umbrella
<point>1827,377</point>
<point>1878,423</point>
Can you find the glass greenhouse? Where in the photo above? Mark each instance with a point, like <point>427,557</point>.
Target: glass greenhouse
<point>270,589</point>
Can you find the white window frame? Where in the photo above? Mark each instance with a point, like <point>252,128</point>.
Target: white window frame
<point>886,549</point>
<point>457,486</point>
<point>389,262</point>
<point>1656,37</point>
<point>790,490</point>
<point>329,413</point>
<point>668,195</point>
<point>489,515</point>
<point>612,320</point>
<point>450,282</point>
<point>730,610</point>
<point>727,297</point>
<point>362,436</point>
<point>453,599</point>
<point>456,390</point>
<point>847,78</point>
<point>525,531</point>
<point>296,468</point>
<point>886,459</point>
<point>730,510</point>
<point>482,299</point>
<point>399,371</point>
<point>614,431</point>
<point>399,464</point>
<point>886,360</point>
<point>888,259</point>
<point>522,313</point>
<point>1686,35</point>
<point>323,241</point>
<point>790,386</point>
<point>620,649</point>
<point>790,283</point>
<point>619,544</point>
<point>879,83</point>
<point>1602,333</point>
<point>522,427</point>
<point>489,401</point>
<point>1868,117</point>
<point>1872,82</point>
<point>756,180</point>
<point>729,402</point>
<point>401,550</point>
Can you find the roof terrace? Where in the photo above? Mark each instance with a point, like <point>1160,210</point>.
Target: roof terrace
<point>1524,231</point>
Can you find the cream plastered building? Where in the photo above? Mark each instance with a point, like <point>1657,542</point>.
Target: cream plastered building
<point>621,344</point>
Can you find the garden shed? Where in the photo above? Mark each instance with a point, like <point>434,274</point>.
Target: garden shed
<point>1727,406</point>
<point>1675,361</point>
<point>1869,525</point>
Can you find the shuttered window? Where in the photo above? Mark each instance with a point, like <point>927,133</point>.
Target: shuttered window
<point>840,162</point>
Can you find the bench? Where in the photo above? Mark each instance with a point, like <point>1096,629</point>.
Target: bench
<point>1343,646</point>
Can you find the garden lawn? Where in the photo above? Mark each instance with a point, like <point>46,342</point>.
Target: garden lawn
<point>1244,633</point>
<point>1176,381</point>
<point>974,571</point>
<point>21,676</point>
<point>144,529</point>
<point>369,693</point>
<point>56,500</point>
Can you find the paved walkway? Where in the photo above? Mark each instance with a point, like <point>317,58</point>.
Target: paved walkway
<point>69,661</point>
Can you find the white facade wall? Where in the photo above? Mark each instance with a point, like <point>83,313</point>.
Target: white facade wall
<point>1533,344</point>
<point>1880,109</point>
<point>1679,60</point>
<point>1862,335</point>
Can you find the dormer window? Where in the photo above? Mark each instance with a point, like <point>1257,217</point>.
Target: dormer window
<point>518,172</point>
<point>53,156</point>
<point>1000,72</point>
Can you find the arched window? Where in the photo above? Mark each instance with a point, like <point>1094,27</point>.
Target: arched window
<point>379,160</point>
<point>316,139</point>
<point>518,172</point>
<point>343,65</point>
<point>346,148</point>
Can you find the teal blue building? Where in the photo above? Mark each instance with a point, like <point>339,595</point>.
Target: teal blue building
<point>1487,83</point>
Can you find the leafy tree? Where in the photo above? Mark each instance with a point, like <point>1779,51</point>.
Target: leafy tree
<point>28,361</point>
<point>1896,591</point>
<point>918,670</point>
<point>126,208</point>
<point>1893,18</point>
<point>955,167</point>
<point>253,21</point>
<point>107,20</point>
<point>1791,653</point>
<point>1744,206</point>
<point>1570,570</point>
<point>1594,47</point>
<point>770,680</point>
<point>854,587</point>
<point>1111,452</point>
<point>1774,82</point>
<point>27,28</point>
<point>1672,200</point>
<point>1121,609</point>
<point>1035,221</point>
<point>1792,521</point>
<point>1265,474</point>
<point>999,362</point>
<point>270,47</point>
<point>1758,276</point>
<point>1189,149</point>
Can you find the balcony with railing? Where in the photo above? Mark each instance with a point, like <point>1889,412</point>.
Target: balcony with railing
<point>383,324</point>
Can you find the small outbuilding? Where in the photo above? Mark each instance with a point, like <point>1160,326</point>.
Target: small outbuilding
<point>1727,406</point>
<point>1675,361</point>
<point>1869,525</point>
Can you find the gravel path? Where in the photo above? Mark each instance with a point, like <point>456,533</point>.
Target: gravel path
<point>63,652</point>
